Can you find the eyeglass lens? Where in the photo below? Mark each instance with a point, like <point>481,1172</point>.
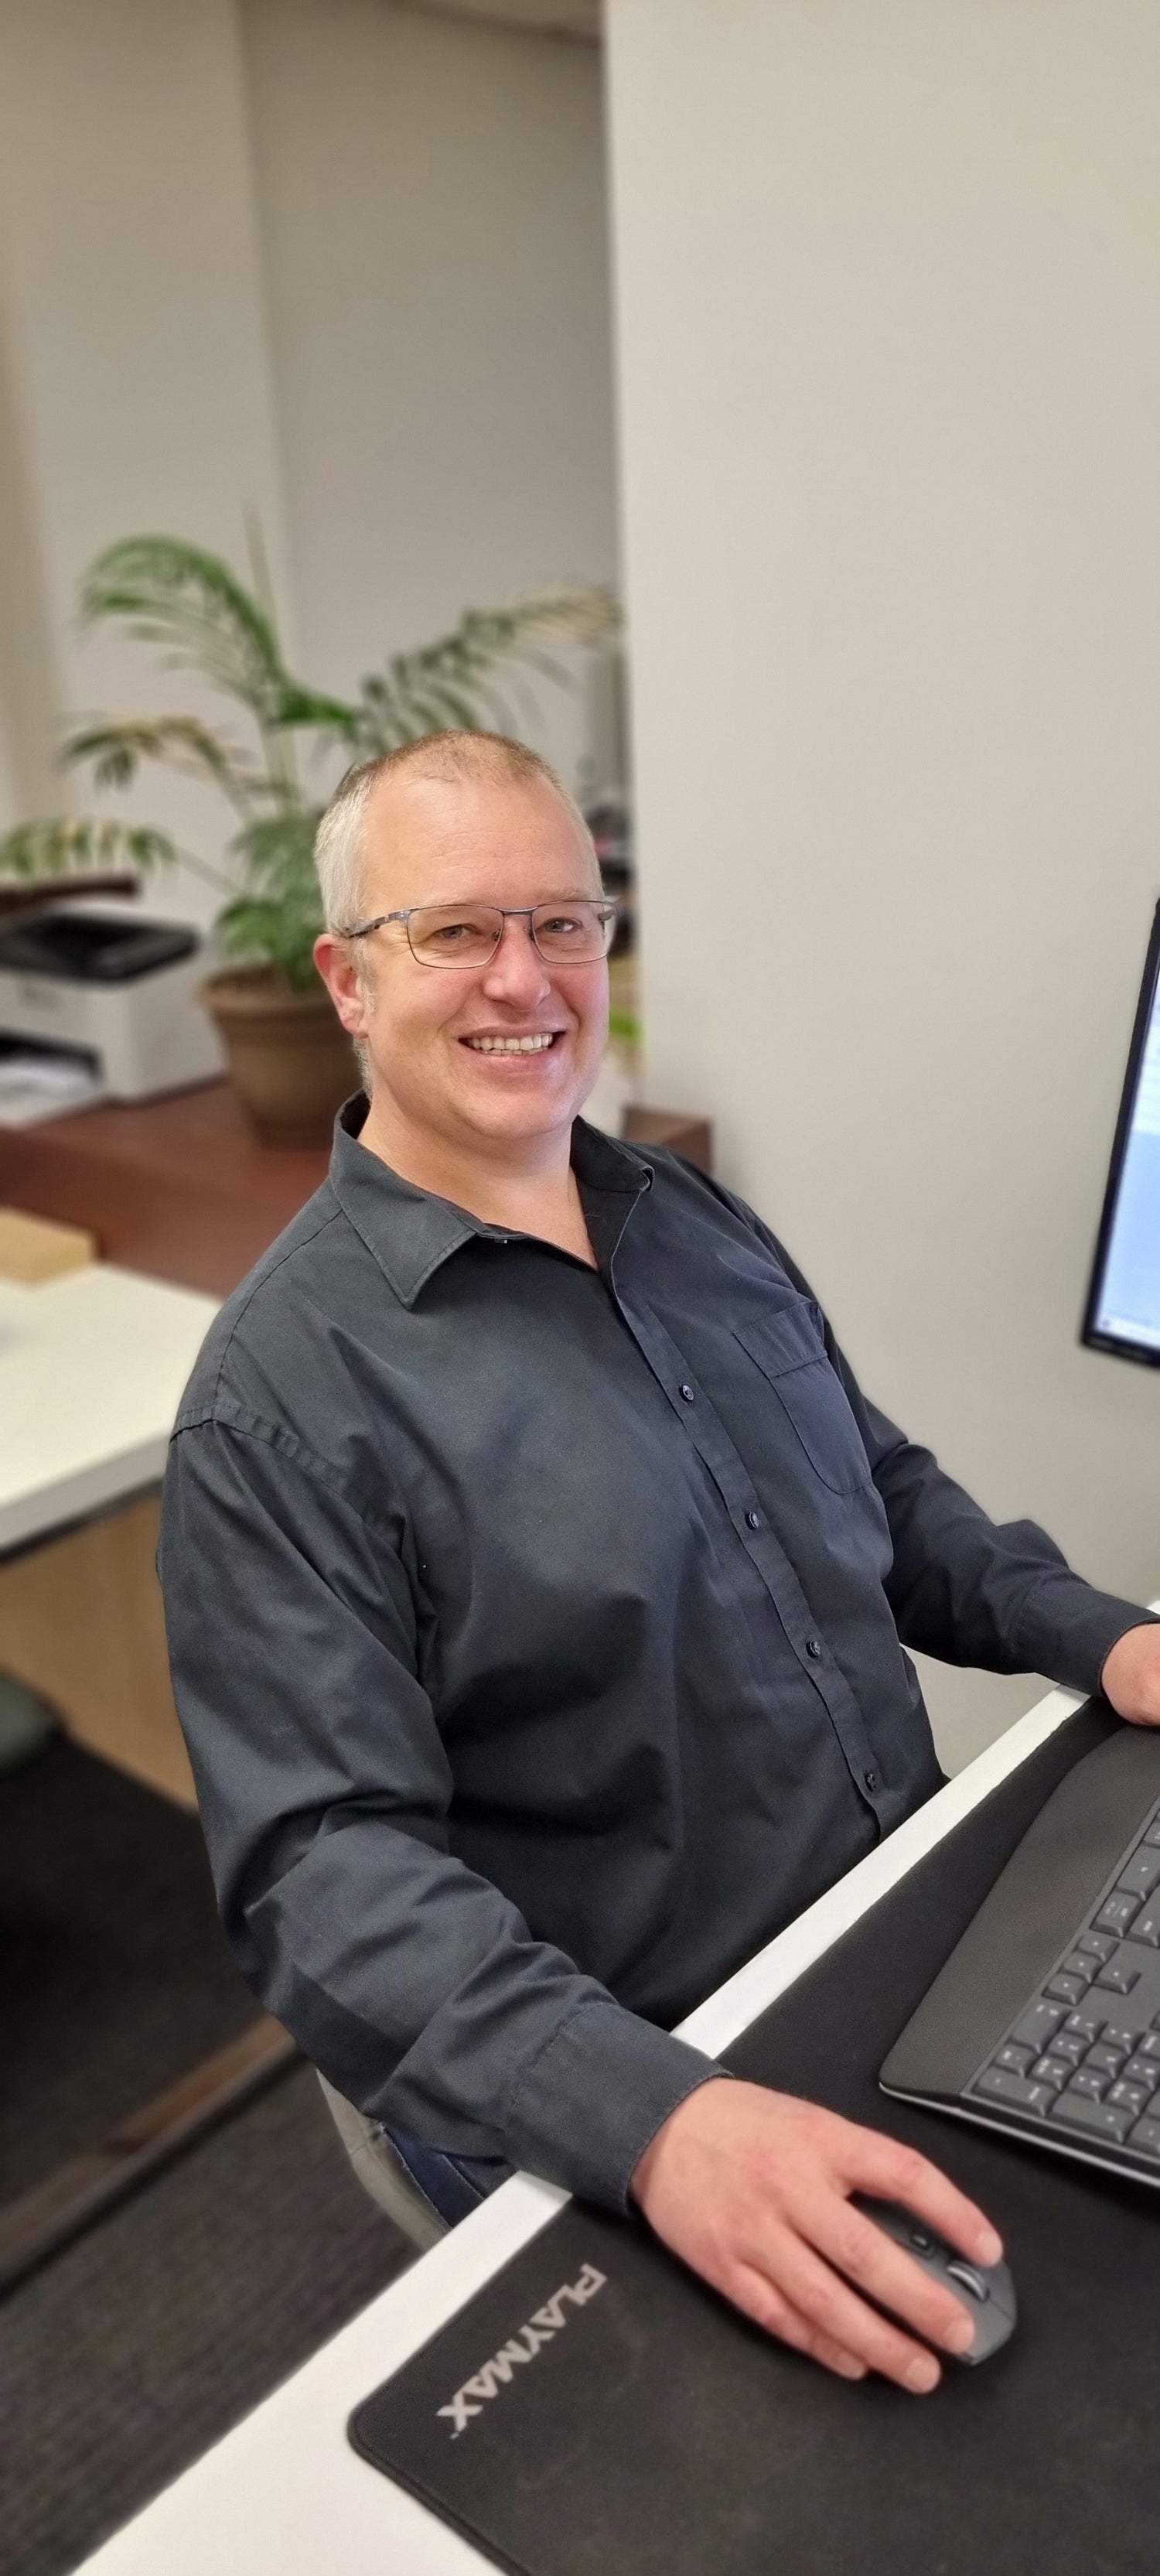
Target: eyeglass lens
<point>573,934</point>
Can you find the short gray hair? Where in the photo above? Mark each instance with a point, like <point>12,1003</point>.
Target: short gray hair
<point>338,847</point>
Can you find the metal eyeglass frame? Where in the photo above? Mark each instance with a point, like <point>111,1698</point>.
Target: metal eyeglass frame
<point>602,904</point>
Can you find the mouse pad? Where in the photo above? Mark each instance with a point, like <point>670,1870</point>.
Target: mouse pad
<point>596,2411</point>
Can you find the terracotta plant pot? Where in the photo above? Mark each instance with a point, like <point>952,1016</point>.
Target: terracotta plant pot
<point>290,1060</point>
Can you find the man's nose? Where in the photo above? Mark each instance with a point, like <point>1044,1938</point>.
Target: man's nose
<point>517,973</point>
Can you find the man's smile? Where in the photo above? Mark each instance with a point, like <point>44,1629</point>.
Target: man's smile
<point>533,1042</point>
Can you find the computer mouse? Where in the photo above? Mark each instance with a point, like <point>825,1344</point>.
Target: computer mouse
<point>986,2290</point>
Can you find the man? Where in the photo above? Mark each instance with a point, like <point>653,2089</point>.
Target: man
<point>535,1575</point>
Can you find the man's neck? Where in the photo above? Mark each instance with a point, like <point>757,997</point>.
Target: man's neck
<point>527,1188</point>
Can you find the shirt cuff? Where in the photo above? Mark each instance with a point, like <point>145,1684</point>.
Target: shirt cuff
<point>595,2098</point>
<point>1068,1630</point>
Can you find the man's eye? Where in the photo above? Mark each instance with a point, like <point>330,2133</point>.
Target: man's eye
<point>450,933</point>
<point>562,925</point>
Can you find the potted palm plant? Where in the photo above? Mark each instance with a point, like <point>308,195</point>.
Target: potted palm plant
<point>290,1062</point>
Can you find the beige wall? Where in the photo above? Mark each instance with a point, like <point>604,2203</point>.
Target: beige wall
<point>889,352</point>
<point>431,203</point>
<point>327,264</point>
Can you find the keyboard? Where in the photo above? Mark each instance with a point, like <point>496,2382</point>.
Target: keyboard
<point>1083,2053</point>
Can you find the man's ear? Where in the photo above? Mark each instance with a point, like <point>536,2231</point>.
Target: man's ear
<point>336,965</point>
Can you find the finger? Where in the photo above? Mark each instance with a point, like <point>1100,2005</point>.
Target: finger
<point>870,2259</point>
<point>889,2171</point>
<point>768,2307</point>
<point>833,2309</point>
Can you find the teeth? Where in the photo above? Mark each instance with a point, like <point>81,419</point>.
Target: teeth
<point>513,1046</point>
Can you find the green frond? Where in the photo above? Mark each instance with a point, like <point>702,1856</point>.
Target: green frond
<point>190,604</point>
<point>78,845</point>
<point>117,749</point>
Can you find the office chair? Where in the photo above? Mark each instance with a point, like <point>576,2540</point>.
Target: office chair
<point>382,2173</point>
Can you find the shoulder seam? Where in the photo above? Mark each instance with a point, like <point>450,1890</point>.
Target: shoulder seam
<point>258,1283</point>
<point>224,1414</point>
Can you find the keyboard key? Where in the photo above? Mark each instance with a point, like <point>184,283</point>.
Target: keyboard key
<point>1015,2089</point>
<point>1098,1945</point>
<point>1018,2060</point>
<point>1141,2070</point>
<point>1107,2061</point>
<point>1128,2097</point>
<point>1142,1874</point>
<point>1036,2028</point>
<point>1117,2034</point>
<point>1090,2080</point>
<point>1051,2070</point>
<point>1146,1927</point>
<point>1153,1834</point>
<point>1075,1965</point>
<point>1069,2045</point>
<point>1146,2136</point>
<point>1077,2112</point>
<point>1083,2027</point>
<point>1117,1976</point>
<point>1120,1910</point>
<point>1068,1990</point>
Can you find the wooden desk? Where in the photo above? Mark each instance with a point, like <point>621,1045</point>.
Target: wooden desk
<point>178,1188</point>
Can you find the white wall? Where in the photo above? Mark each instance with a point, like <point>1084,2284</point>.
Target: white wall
<point>323,263</point>
<point>889,352</point>
<point>431,199</point>
<point>134,353</point>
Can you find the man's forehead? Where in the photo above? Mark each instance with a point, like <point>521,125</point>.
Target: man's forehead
<point>427,835</point>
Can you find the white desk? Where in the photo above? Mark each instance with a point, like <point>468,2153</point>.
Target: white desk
<point>92,1369</point>
<point>284,2494</point>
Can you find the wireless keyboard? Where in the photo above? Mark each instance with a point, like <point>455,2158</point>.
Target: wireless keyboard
<point>1084,2052</point>
<point>1045,2018</point>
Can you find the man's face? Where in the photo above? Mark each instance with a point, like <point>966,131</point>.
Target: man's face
<point>467,840</point>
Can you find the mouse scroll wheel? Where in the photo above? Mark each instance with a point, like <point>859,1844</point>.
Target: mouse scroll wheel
<point>922,2243</point>
<point>971,2281</point>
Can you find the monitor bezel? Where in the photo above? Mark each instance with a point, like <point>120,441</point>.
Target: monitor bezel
<point>1093,1337</point>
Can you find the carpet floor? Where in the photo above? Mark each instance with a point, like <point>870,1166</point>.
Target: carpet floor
<point>144,2341</point>
<point>114,1977</point>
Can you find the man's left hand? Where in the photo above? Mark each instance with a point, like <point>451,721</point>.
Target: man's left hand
<point>1131,1676</point>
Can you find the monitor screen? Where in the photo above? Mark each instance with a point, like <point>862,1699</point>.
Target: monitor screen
<point>1123,1307</point>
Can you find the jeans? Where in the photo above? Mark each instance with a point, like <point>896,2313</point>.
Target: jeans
<point>454,2185</point>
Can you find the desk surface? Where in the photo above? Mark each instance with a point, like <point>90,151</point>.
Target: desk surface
<point>284,2494</point>
<point>92,1369</point>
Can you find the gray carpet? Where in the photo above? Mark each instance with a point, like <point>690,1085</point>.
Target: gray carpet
<point>147,2339</point>
<point>114,1977</point>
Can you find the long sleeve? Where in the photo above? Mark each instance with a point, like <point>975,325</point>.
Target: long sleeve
<point>969,1590</point>
<point>324,1788</point>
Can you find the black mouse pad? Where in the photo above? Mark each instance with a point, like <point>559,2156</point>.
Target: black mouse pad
<point>595,2411</point>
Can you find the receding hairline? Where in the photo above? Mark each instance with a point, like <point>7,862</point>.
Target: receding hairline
<point>449,759</point>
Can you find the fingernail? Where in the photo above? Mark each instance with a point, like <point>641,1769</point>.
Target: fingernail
<point>851,2369</point>
<point>960,2336</point>
<point>988,2246</point>
<point>921,2376</point>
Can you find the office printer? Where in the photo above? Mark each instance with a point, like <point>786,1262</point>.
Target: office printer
<point>96,1004</point>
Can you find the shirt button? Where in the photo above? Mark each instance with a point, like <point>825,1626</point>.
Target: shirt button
<point>753,1519</point>
<point>813,1647</point>
<point>687,1393</point>
<point>871,1780</point>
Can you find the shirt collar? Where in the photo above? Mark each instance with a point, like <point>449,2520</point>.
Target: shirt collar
<point>411,1232</point>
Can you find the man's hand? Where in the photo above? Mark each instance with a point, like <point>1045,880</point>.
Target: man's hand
<point>1131,1675</point>
<point>752,2190</point>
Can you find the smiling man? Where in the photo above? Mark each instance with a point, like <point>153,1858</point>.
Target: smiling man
<point>538,1581</point>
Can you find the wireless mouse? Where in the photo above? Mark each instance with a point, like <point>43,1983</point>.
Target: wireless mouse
<point>986,2290</point>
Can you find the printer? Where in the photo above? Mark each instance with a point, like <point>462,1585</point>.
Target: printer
<point>96,1004</point>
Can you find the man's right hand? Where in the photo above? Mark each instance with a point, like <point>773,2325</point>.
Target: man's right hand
<point>752,2190</point>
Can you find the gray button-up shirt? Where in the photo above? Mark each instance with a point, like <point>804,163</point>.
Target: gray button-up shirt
<point>537,1632</point>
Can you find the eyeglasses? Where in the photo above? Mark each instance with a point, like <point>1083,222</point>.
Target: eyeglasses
<point>572,931</point>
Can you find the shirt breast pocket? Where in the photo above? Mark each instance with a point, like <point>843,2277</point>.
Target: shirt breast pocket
<point>786,1350</point>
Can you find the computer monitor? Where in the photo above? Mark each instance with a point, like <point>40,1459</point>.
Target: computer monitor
<point>1123,1306</point>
